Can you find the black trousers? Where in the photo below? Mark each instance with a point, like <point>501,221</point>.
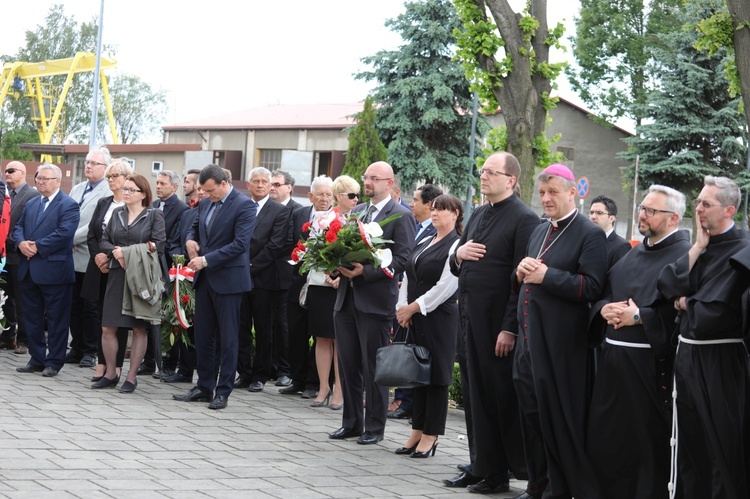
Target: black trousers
<point>304,369</point>
<point>280,363</point>
<point>85,322</point>
<point>257,314</point>
<point>430,409</point>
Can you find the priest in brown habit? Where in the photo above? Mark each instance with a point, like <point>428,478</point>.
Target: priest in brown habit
<point>563,272</point>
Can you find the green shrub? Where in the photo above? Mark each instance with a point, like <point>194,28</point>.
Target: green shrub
<point>454,392</point>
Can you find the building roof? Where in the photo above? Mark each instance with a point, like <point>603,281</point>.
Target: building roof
<point>114,149</point>
<point>305,116</point>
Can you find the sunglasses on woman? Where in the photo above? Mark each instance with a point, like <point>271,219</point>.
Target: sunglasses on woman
<point>351,195</point>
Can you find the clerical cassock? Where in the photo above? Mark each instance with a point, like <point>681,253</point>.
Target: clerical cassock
<point>550,368</point>
<point>490,307</point>
<point>631,408</point>
<point>711,371</point>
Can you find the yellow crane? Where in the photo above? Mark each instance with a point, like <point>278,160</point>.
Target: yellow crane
<point>48,100</point>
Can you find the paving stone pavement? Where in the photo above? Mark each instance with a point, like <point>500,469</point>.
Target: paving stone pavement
<point>60,439</point>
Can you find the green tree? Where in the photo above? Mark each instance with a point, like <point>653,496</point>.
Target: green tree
<point>365,146</point>
<point>612,48</point>
<point>693,124</point>
<point>12,138</point>
<point>137,107</point>
<point>508,60</point>
<point>423,97</point>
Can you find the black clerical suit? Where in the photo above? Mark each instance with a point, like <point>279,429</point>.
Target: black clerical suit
<point>550,368</point>
<point>617,247</point>
<point>489,307</point>
<point>711,379</point>
<point>364,311</point>
<point>630,417</point>
<point>271,239</point>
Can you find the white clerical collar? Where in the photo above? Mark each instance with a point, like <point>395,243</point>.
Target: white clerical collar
<point>663,238</point>
<point>731,226</point>
<point>555,222</point>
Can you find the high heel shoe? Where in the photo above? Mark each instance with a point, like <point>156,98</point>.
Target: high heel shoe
<point>422,455</point>
<point>105,382</point>
<point>321,403</point>
<point>406,450</point>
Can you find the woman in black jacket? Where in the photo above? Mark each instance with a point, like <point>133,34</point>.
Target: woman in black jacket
<point>427,305</point>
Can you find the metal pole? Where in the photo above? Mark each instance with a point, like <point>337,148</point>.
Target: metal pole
<point>95,98</point>
<point>475,106</point>
<point>634,219</point>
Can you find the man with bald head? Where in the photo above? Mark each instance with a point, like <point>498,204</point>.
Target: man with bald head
<point>365,308</point>
<point>20,192</point>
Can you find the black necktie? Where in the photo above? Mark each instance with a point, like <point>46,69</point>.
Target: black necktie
<point>212,215</point>
<point>88,189</point>
<point>41,209</point>
<point>368,215</point>
<point>12,195</point>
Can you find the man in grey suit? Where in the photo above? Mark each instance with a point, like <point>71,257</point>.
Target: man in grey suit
<point>20,192</point>
<point>365,308</point>
<point>85,323</point>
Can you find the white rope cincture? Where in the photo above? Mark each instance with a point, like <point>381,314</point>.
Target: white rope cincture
<point>673,441</point>
<point>627,343</point>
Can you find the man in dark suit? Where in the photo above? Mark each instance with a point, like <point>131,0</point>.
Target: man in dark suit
<point>365,308</point>
<point>301,355</point>
<point>20,192</point>
<point>217,244</point>
<point>44,236</point>
<point>603,212</point>
<point>167,183</point>
<point>396,192</point>
<point>420,206</point>
<point>282,186</point>
<point>271,238</point>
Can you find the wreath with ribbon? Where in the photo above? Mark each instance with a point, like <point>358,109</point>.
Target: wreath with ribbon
<point>178,305</point>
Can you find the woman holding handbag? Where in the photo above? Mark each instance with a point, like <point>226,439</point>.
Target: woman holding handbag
<point>427,305</point>
<point>129,225</point>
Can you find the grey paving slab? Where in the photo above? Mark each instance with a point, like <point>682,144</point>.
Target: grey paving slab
<point>60,439</point>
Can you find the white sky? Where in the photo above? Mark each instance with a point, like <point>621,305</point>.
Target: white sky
<point>220,56</point>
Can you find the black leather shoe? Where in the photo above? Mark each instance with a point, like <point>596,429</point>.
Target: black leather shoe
<point>145,369</point>
<point>241,383</point>
<point>463,480</point>
<point>488,486</point>
<point>194,395</point>
<point>105,382</point>
<point>30,368</point>
<point>87,361</point>
<point>165,372</point>
<point>309,394</point>
<point>256,386</point>
<point>283,380</point>
<point>128,387</point>
<point>73,357</point>
<point>219,402</point>
<point>49,372</point>
<point>399,413</point>
<point>292,389</point>
<point>177,378</point>
<point>526,495</point>
<point>369,438</point>
<point>406,450</point>
<point>345,432</point>
<point>464,467</point>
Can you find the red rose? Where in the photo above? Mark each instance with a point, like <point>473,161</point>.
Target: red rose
<point>295,255</point>
<point>185,298</point>
<point>335,226</point>
<point>300,246</point>
<point>306,226</point>
<point>331,236</point>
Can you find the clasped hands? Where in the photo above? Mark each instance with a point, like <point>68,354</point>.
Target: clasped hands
<point>620,314</point>
<point>531,271</point>
<point>28,249</point>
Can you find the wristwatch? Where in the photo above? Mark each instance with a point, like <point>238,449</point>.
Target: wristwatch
<point>205,262</point>
<point>637,316</point>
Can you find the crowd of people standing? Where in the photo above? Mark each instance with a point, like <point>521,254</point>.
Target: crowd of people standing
<point>589,369</point>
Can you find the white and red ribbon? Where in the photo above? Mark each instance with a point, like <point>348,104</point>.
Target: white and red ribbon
<point>177,274</point>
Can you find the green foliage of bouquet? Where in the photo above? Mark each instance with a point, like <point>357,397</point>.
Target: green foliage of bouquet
<point>337,240</point>
<point>178,305</point>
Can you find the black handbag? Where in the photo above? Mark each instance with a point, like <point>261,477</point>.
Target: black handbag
<point>403,364</point>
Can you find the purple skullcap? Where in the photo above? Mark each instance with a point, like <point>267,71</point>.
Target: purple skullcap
<point>560,170</point>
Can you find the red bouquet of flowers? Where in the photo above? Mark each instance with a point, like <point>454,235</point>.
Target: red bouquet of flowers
<point>337,240</point>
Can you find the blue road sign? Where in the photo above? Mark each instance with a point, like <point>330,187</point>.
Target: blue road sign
<point>583,187</point>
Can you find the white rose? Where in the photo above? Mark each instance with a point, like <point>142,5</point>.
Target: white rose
<point>373,229</point>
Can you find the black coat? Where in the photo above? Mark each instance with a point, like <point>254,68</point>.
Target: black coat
<point>270,241</point>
